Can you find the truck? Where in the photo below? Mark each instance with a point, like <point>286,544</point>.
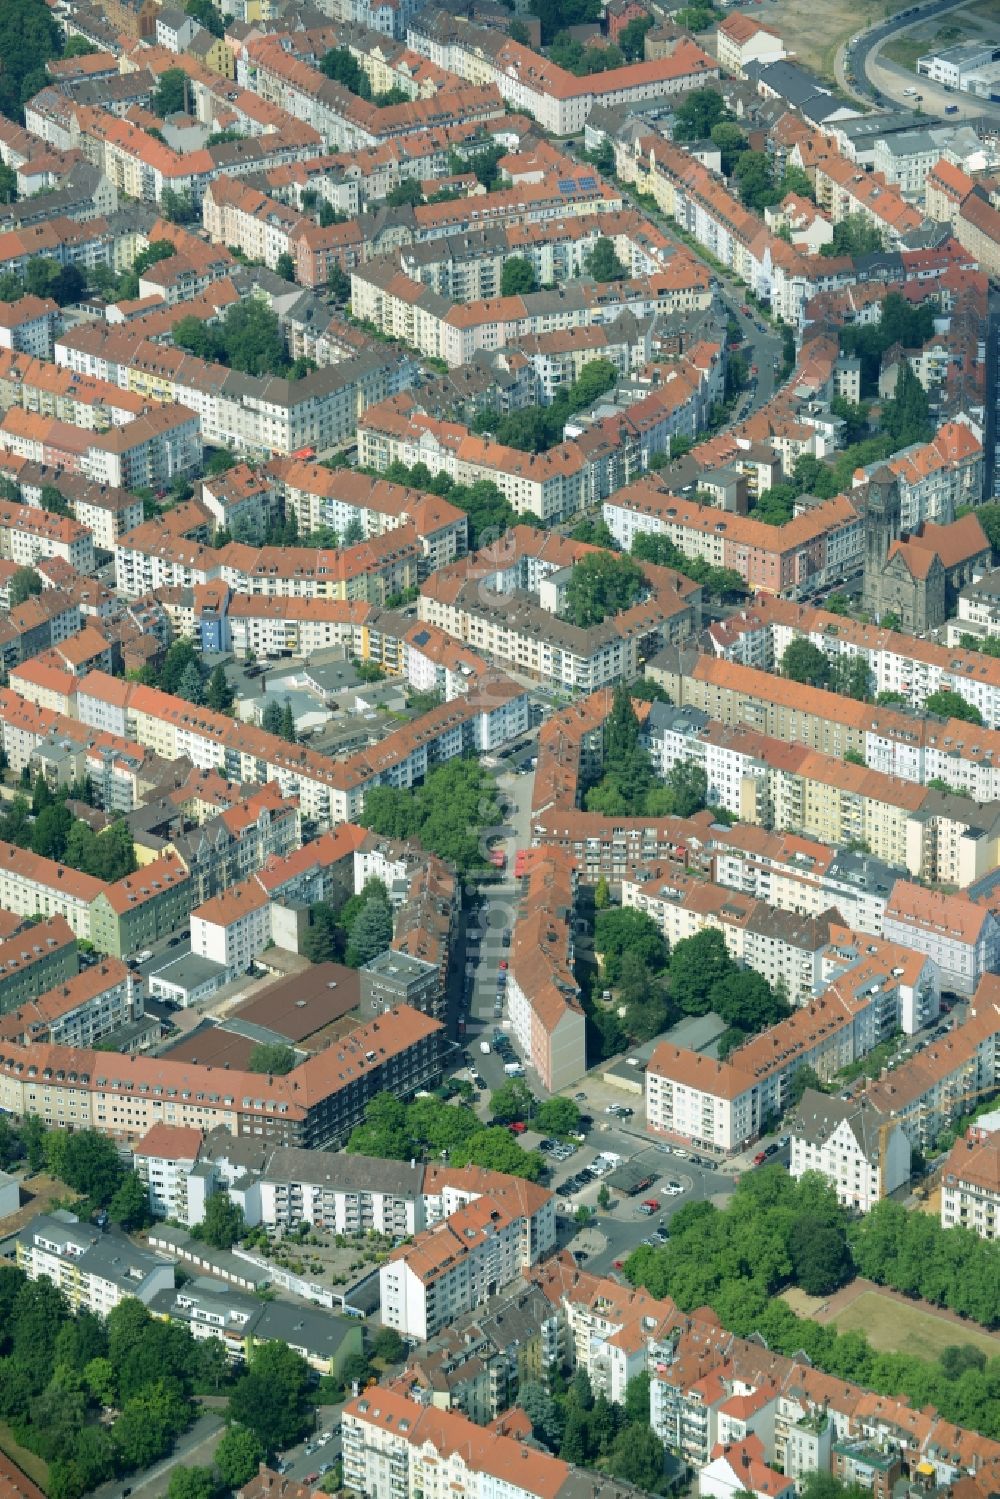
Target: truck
<point>484,1047</point>
<point>513,1069</point>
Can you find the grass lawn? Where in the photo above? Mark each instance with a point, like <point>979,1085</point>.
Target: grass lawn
<point>905,50</point>
<point>892,1326</point>
<point>27,1461</point>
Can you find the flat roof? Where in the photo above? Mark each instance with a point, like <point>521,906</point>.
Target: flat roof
<point>303,1003</point>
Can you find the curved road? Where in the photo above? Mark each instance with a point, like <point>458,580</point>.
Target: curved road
<point>884,82</point>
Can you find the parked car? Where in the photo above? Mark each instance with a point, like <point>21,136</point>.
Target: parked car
<point>760,1158</point>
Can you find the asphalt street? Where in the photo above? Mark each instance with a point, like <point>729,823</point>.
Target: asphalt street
<point>195,1449</point>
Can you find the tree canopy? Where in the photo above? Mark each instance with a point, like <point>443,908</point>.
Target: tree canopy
<point>602,584</point>
<point>273,1057</point>
<point>518,277</point>
<point>248,338</point>
<point>397,1131</point>
<point>951,705</point>
<point>448,813</point>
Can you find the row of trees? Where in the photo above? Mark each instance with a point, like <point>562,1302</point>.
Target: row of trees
<point>396,1131</point>
<point>84,1161</point>
<point>490,513</point>
<point>775,1233</point>
<point>47,826</point>
<point>451,813</point>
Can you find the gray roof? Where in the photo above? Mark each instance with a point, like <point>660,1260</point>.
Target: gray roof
<point>399,965</point>
<point>818,1115</point>
<point>351,1173</point>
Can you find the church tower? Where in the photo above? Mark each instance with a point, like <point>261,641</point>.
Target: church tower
<point>883,525</point>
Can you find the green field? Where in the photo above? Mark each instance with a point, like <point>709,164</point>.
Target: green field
<point>27,1461</point>
<point>893,1326</point>
<point>905,50</point>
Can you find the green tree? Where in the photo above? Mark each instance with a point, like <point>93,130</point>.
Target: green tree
<point>190,687</point>
<point>284,266</point>
<point>804,662</point>
<point>205,12</point>
<point>406,192</point>
<point>602,584</point>
<point>192,1483</point>
<point>697,964</point>
<point>338,284</point>
<point>370,934</point>
<point>755,180</point>
<point>223,1224</point>
<point>637,1457</point>
<point>219,695</point>
<point>130,1204</point>
<point>497,1150</point>
<point>272,1398</point>
<point>29,36</point>
<point>388,1346</point>
<point>698,114</point>
<point>518,277</point>
<point>948,704</point>
<point>603,264</point>
<point>821,1260</point>
<point>907,417</point>
<point>171,93</point>
<point>288,730</point>
<point>86,1161</point>
<point>385,1132</point>
<point>627,930</point>
<point>271,719</point>
<point>512,1100</point>
<point>854,235</point>
<point>324,940</point>
<point>632,38</point>
<point>731,143</point>
<point>557,1116</point>
<point>341,65</point>
<point>238,1456</point>
<point>24,583</point>
<point>543,1413</point>
<point>272,1057</point>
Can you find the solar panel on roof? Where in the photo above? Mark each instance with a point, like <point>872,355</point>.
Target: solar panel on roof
<point>588,182</point>
<point>567,185</point>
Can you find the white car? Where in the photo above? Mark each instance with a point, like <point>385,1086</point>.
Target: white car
<point>682,1153</point>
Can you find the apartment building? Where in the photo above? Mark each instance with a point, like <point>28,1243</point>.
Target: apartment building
<point>505,601</point>
<point>95,1271</point>
<point>543,998</point>
<point>558,100</point>
<point>28,535</point>
<point>234,928</point>
<point>28,326</point>
<point>784,948</point>
<point>32,961</point>
<point>329,792</point>
<point>935,477</point>
<point>351,503</point>
<point>83,1010</point>
<point>318,1104</point>
<point>395,1447</point>
<point>897,663</point>
<point>863,1154</point>
<point>721,1105</point>
<point>164,1158</point>
<point>793,560</point>
<point>945,1080</point>
<point>962,938</point>
<point>970,1185</point>
<point>892,742</point>
<point>741,39</point>
<point>710,1388</point>
<point>482,1245</point>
